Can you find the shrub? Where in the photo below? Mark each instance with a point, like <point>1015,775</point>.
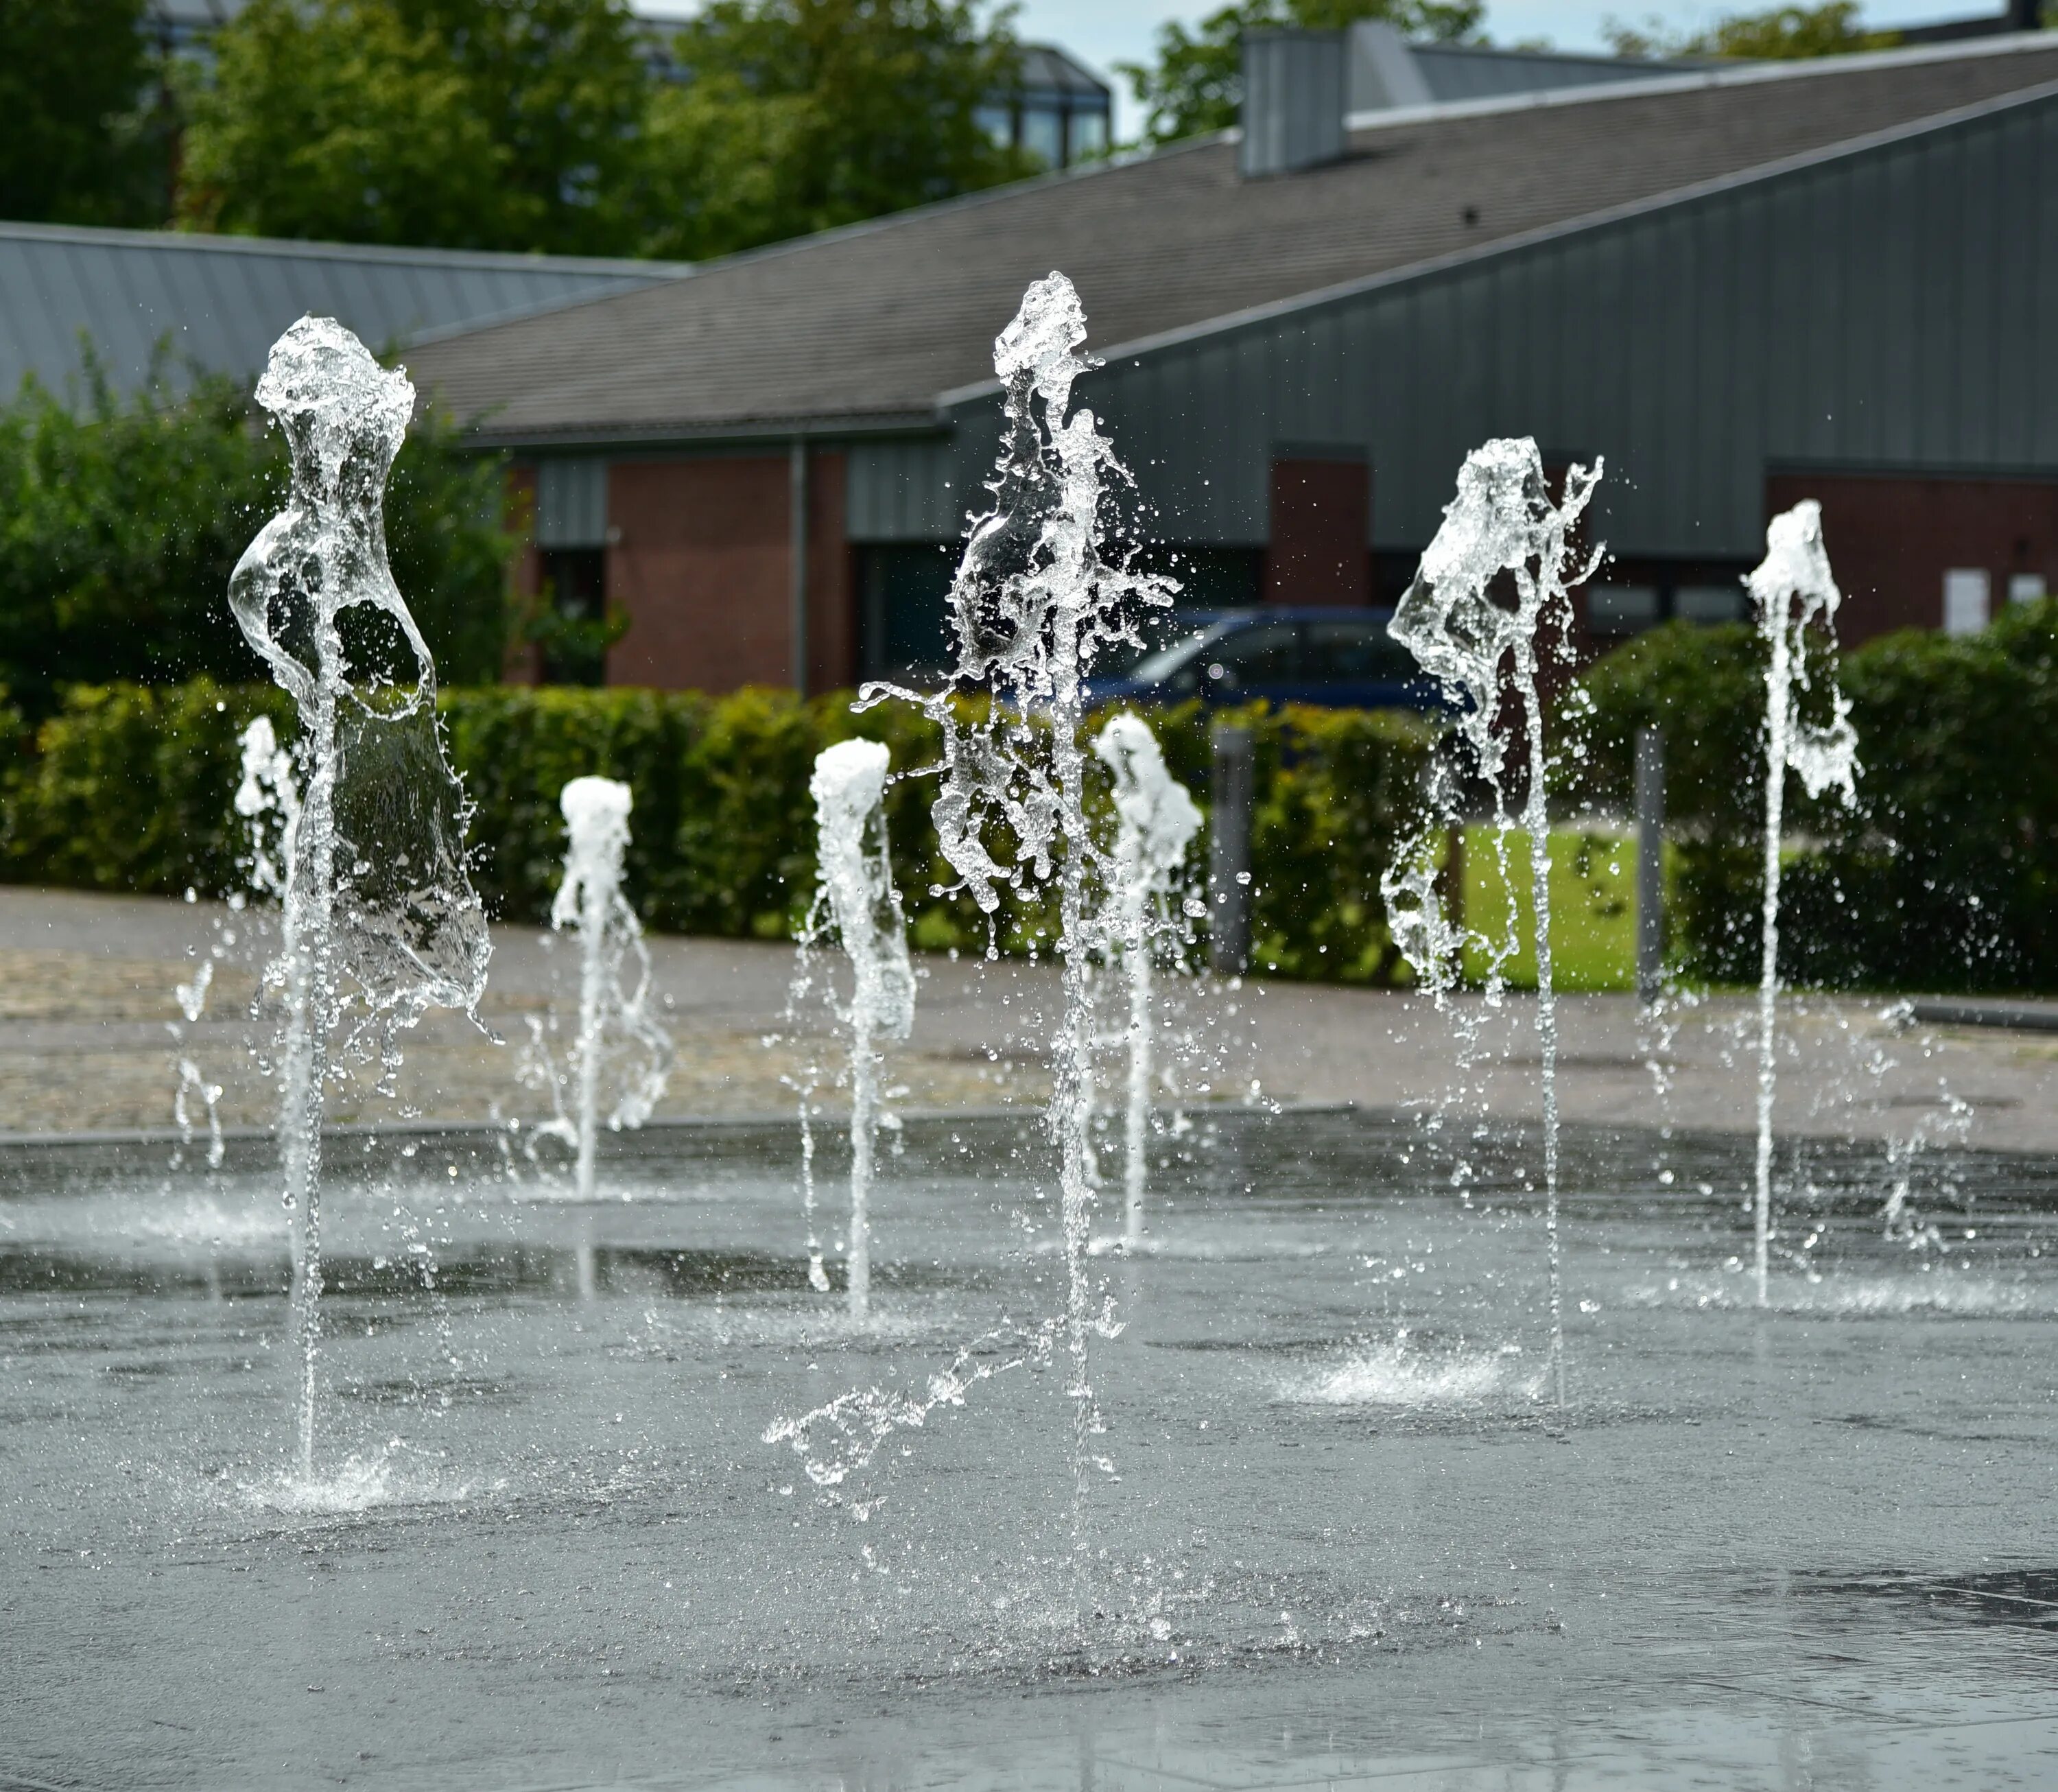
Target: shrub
<point>129,787</point>
<point>1945,876</point>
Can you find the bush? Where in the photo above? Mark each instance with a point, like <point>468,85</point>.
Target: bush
<point>1945,876</point>
<point>121,522</point>
<point>129,787</point>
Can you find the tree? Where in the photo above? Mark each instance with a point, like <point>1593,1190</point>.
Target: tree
<point>1196,85</point>
<point>464,124</point>
<point>120,521</point>
<point>800,115</point>
<point>1785,34</point>
<point>83,140</point>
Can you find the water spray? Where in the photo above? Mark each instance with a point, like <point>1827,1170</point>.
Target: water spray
<point>1156,820</point>
<point>596,812</point>
<point>380,921</point>
<point>1796,595</point>
<point>857,896</point>
<point>1488,606</point>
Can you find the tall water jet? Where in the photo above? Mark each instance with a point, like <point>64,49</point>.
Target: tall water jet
<point>1487,606</point>
<point>856,896</point>
<point>379,918</point>
<point>596,811</point>
<point>1156,820</point>
<point>1033,601</point>
<point>1795,595</point>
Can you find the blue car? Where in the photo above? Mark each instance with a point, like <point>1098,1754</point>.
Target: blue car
<point>1338,658</point>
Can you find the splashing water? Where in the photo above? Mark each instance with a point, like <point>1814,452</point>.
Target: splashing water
<point>836,1439</point>
<point>380,920</point>
<point>1795,593</point>
<point>1033,602</point>
<point>596,812</point>
<point>1488,604</point>
<point>1156,820</point>
<point>857,898</point>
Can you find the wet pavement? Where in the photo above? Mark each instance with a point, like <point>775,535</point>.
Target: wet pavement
<point>1342,1536</point>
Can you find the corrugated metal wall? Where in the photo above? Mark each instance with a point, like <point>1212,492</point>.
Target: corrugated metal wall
<point>905,489</point>
<point>1894,307</point>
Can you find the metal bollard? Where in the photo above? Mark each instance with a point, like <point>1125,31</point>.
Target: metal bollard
<point>1229,852</point>
<point>1650,862</point>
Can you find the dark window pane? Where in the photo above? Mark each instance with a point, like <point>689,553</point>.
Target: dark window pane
<point>1356,650</point>
<point>904,594</point>
<point>575,581</point>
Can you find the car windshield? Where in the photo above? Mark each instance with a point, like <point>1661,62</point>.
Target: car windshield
<point>1155,668</point>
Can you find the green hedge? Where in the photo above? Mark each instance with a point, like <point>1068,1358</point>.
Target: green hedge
<point>128,788</point>
<point>1946,874</point>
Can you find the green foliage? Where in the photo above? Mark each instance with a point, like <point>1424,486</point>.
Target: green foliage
<point>1946,876</point>
<point>1196,83</point>
<point>85,136</point>
<point>1783,34</point>
<point>541,124</point>
<point>464,124</point>
<point>129,789</point>
<point>120,521</point>
<point>801,115</point>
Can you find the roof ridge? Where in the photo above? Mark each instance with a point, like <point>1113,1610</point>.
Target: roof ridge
<point>1712,74</point>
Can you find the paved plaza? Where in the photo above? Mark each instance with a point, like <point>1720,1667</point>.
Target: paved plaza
<point>92,1036</point>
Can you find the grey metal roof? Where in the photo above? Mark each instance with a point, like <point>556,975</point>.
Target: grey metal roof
<point>221,301</point>
<point>860,328</point>
<point>1464,72</point>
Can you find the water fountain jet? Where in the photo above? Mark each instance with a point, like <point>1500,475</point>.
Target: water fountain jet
<point>857,898</point>
<point>1033,601</point>
<point>1795,594</point>
<point>1156,820</point>
<point>380,920</point>
<point>1488,604</point>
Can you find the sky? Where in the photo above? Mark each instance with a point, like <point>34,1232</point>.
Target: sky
<point>1103,32</point>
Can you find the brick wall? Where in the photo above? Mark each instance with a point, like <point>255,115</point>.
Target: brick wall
<point>1891,538</point>
<point>699,561</point>
<point>1321,521</point>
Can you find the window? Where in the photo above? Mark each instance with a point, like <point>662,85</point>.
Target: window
<point>1968,595</point>
<point>904,593</point>
<point>997,122</point>
<point>1043,135</point>
<point>1088,131</point>
<point>1263,653</point>
<point>1621,609</point>
<point>1709,603</point>
<point>572,636</point>
<point>2024,587</point>
<point>1355,650</point>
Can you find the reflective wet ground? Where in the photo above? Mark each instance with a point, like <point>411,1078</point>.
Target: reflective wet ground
<point>1341,1538</point>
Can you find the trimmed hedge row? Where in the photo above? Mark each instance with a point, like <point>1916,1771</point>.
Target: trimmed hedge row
<point>129,787</point>
<point>1946,874</point>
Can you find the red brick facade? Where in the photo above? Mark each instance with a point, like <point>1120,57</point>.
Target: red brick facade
<point>699,559</point>
<point>1321,521</point>
<point>1892,539</point>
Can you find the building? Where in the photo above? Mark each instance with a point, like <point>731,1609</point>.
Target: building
<point>162,302</point>
<point>1740,285</point>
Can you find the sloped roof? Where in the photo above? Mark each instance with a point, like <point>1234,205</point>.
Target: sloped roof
<point>221,301</point>
<point>870,324</point>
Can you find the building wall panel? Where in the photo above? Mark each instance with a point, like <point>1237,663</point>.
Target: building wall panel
<point>1889,308</point>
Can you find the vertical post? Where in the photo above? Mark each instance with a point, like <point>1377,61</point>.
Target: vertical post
<point>1650,862</point>
<point>797,556</point>
<point>1229,851</point>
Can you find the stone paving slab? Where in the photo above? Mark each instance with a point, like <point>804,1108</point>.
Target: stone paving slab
<point>92,1035</point>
